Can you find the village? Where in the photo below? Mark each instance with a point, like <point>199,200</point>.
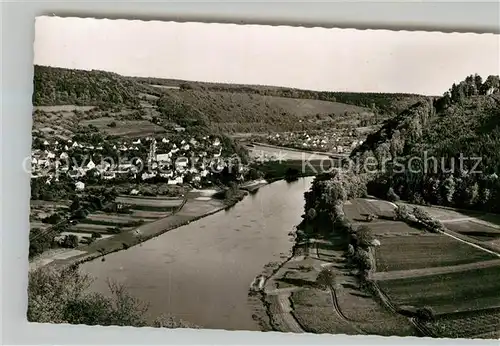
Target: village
<point>341,141</point>
<point>187,160</point>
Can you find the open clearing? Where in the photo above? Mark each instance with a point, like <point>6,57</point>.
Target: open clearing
<point>447,293</point>
<point>429,251</point>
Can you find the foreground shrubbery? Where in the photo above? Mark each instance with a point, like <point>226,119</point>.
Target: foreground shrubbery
<point>63,297</point>
<point>325,215</point>
<point>418,217</point>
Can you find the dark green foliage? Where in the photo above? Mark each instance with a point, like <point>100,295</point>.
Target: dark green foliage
<point>64,297</point>
<point>445,153</point>
<point>53,219</point>
<point>59,86</point>
<point>40,241</point>
<point>425,314</point>
<point>325,278</point>
<point>292,174</point>
<point>63,189</point>
<point>70,241</point>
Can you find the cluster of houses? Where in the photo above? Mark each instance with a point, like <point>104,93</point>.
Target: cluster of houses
<point>336,142</point>
<point>176,161</point>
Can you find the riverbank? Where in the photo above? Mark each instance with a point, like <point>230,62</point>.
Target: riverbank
<point>293,301</point>
<point>202,272</point>
<point>193,208</point>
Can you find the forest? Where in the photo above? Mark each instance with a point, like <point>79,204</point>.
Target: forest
<point>445,153</point>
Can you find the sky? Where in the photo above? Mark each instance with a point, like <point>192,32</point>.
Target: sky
<point>306,58</point>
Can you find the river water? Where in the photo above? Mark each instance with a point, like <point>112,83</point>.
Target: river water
<point>201,272</point>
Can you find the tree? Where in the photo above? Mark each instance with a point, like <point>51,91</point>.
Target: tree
<point>448,189</point>
<point>364,237</point>
<point>325,278</point>
<point>311,214</point>
<point>426,314</point>
<point>70,241</point>
<point>63,296</point>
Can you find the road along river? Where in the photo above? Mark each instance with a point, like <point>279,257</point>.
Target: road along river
<point>201,272</point>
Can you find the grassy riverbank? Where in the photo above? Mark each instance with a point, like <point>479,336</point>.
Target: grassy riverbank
<point>193,209</point>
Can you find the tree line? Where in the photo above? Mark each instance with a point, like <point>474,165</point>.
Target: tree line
<point>443,153</point>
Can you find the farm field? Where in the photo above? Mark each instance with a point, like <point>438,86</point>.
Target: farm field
<point>474,230</point>
<point>125,127</point>
<point>118,219</point>
<point>149,202</point>
<point>387,229</point>
<point>313,309</point>
<point>447,293</point>
<point>425,251</point>
<point>92,227</point>
<point>357,209</point>
<point>473,324</point>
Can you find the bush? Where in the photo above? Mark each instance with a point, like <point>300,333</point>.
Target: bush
<point>53,219</point>
<point>40,241</point>
<point>426,314</point>
<point>112,124</point>
<point>63,297</point>
<point>70,241</point>
<point>96,235</point>
<point>325,278</point>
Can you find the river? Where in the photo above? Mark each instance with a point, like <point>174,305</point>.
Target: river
<point>201,272</point>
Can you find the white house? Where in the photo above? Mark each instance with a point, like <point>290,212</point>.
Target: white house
<point>147,175</point>
<point>164,157</point>
<point>182,162</point>
<point>216,142</point>
<point>63,156</point>
<point>79,186</point>
<point>90,165</point>
<point>164,140</point>
<point>108,175</point>
<point>138,141</point>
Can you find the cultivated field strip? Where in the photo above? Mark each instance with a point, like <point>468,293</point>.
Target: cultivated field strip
<point>91,227</point>
<point>470,324</point>
<point>150,202</point>
<point>401,274</point>
<point>115,219</point>
<point>446,293</point>
<point>430,251</point>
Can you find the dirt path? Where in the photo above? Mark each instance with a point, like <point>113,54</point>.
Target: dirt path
<point>284,317</point>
